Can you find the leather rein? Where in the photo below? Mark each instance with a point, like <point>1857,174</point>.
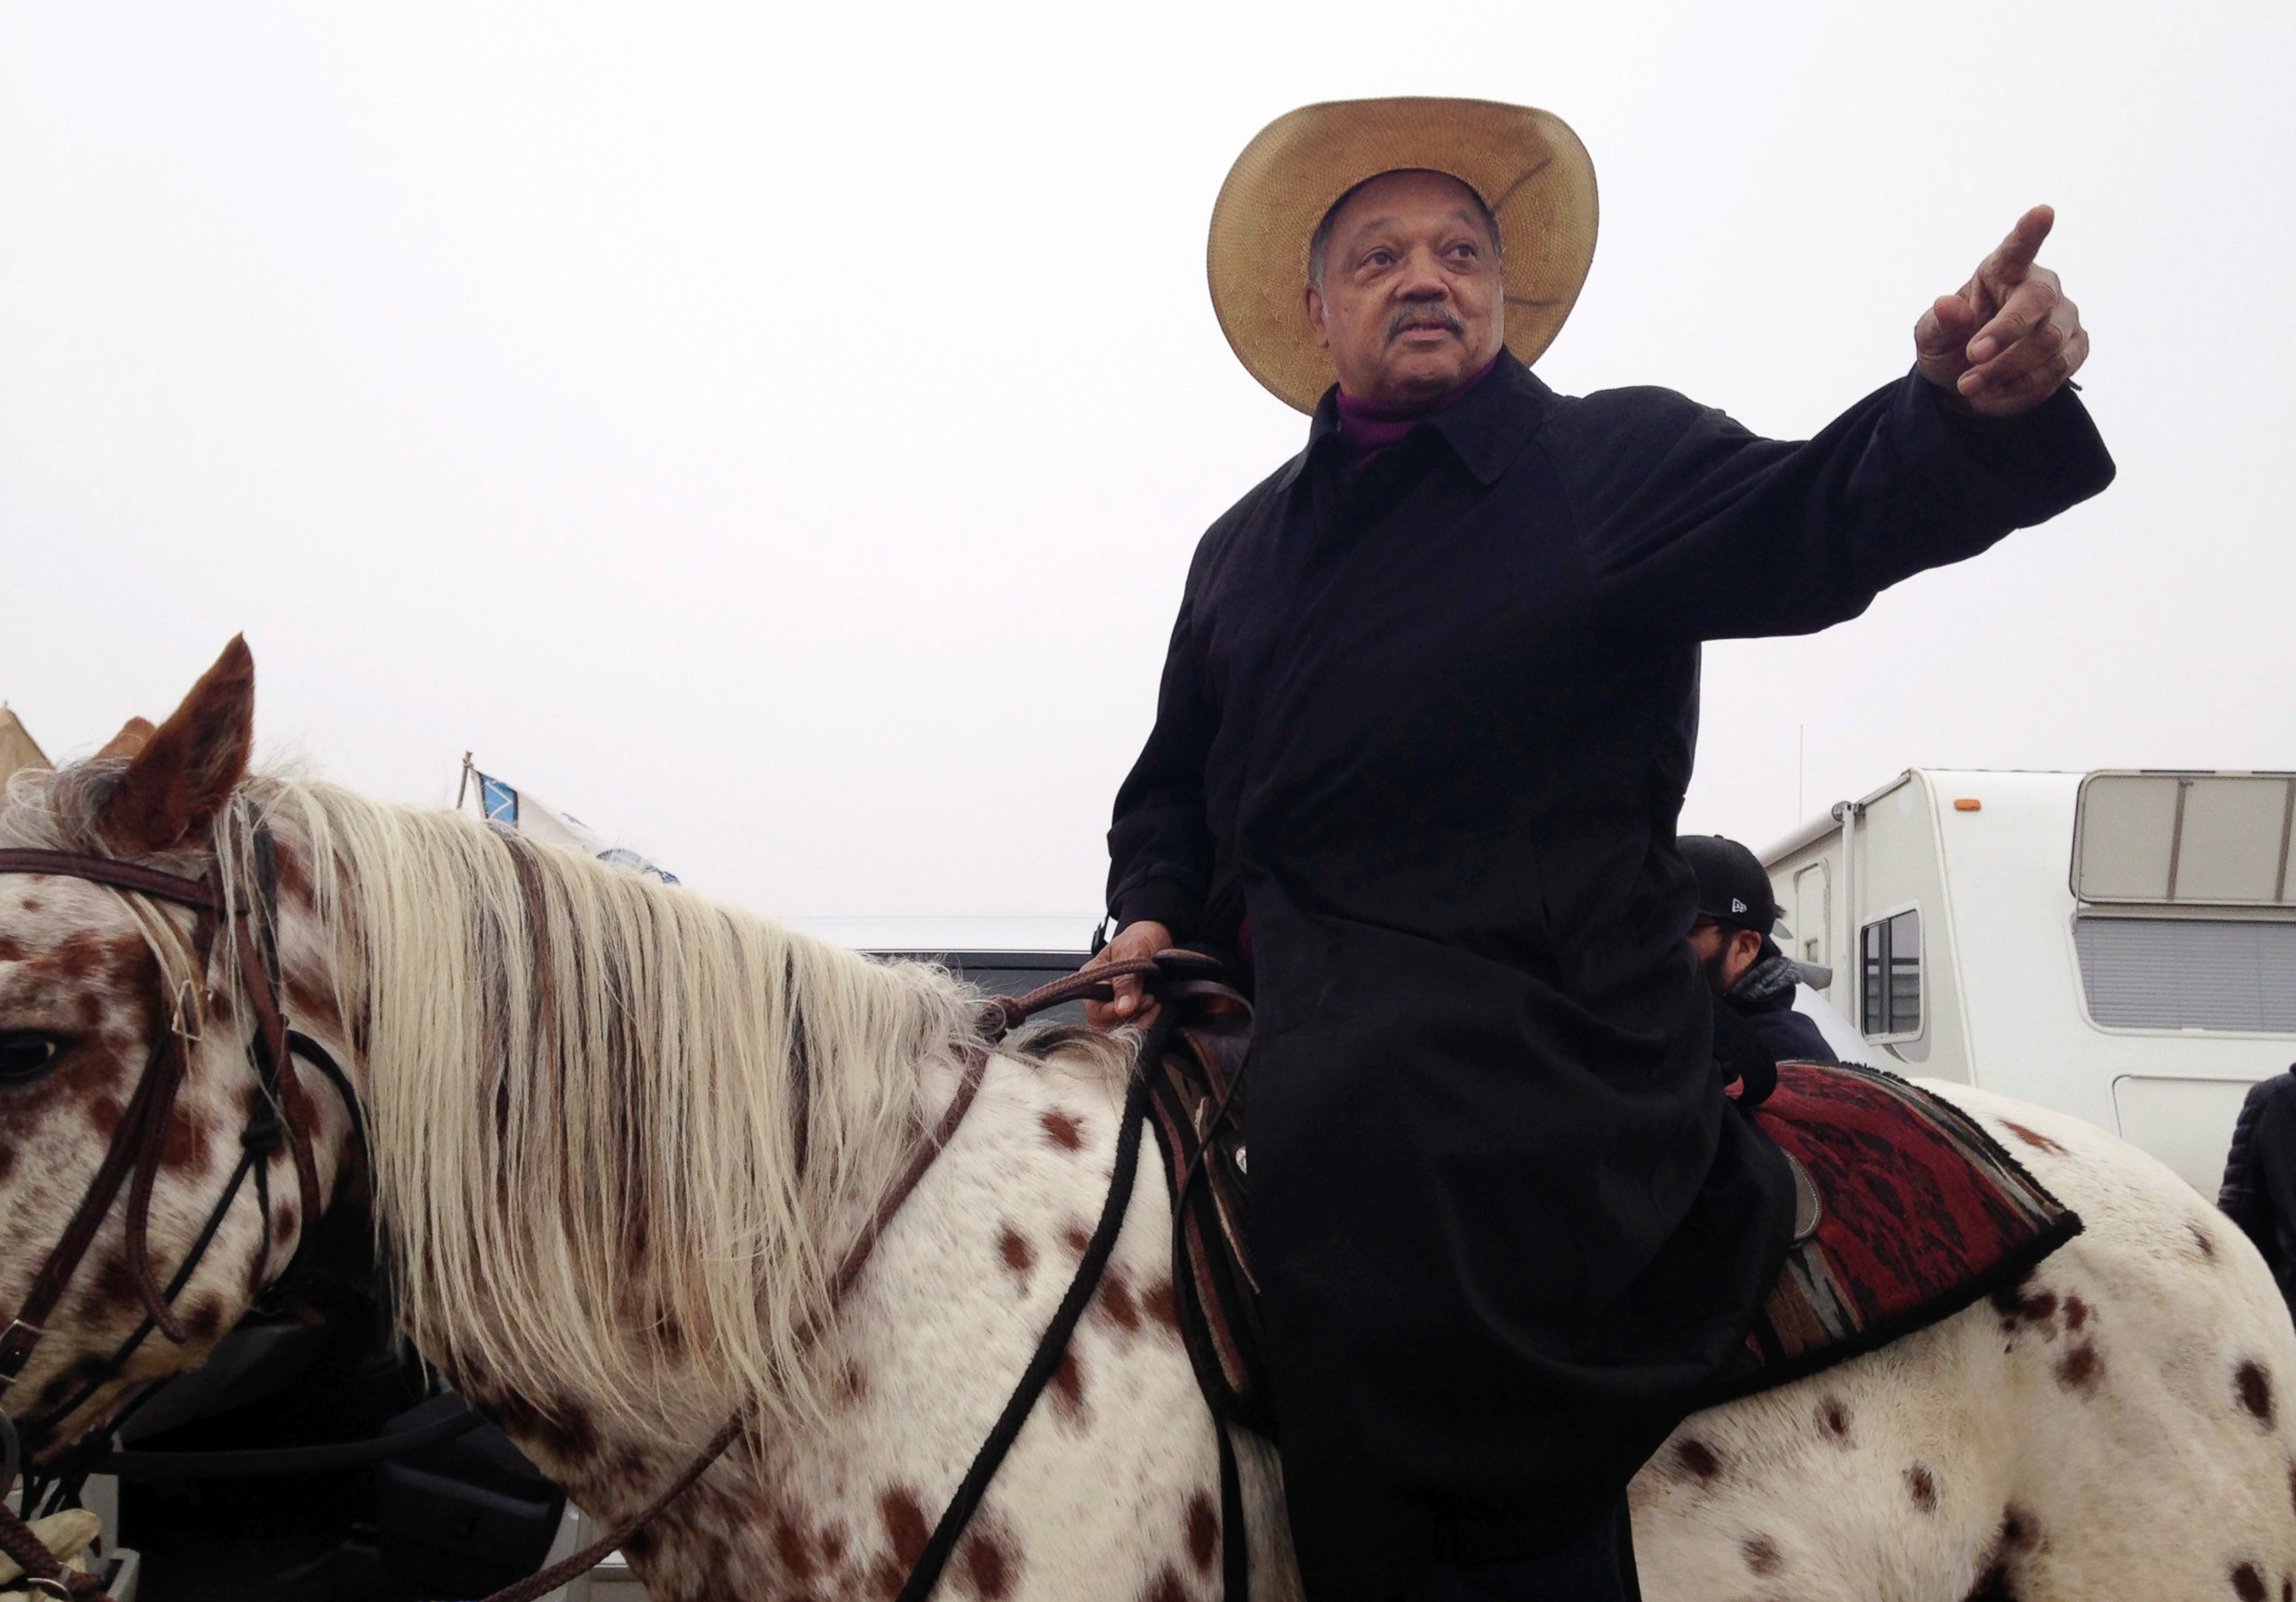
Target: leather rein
<point>283,1115</point>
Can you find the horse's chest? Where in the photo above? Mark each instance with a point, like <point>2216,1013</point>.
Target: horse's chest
<point>932,1341</point>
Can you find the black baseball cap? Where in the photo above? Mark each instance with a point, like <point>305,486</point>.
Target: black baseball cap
<point>1733,888</point>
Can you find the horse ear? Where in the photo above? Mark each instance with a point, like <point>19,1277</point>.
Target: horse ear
<point>179,777</point>
<point>134,736</point>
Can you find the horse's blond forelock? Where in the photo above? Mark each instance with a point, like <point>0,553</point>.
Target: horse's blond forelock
<point>615,1125</point>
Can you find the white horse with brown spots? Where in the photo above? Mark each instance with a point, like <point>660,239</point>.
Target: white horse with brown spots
<point>621,1136</point>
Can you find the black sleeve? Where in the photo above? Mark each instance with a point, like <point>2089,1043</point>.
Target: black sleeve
<point>1700,530</point>
<point>1158,846</point>
<point>2273,1144</point>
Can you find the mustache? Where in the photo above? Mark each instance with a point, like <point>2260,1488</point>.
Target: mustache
<point>1425,312</point>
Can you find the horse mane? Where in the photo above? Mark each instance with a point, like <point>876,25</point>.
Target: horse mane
<point>618,1129</point>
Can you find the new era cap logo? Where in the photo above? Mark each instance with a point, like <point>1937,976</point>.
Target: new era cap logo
<point>1736,905</point>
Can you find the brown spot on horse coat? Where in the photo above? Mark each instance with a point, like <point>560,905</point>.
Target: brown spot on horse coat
<point>1067,1387</point>
<point>2254,1385</point>
<point>2203,1240</point>
<point>1076,1237</point>
<point>1699,1460</point>
<point>1761,1555</point>
<point>187,1142</point>
<point>1923,1486</point>
<point>1203,1531</point>
<point>1064,1130</point>
<point>1018,1255</point>
<point>2034,1138</point>
<point>562,1428</point>
<point>2016,1307</point>
<point>904,1525</point>
<point>792,1547</point>
<point>282,1227</point>
<point>2076,1312</point>
<point>1161,1304</point>
<point>1116,1299</point>
<point>988,1562</point>
<point>204,1320</point>
<point>1833,1418</point>
<point>2247,1584</point>
<point>2021,1532</point>
<point>116,1280</point>
<point>1992,1582</point>
<point>104,1112</point>
<point>1164,1587</point>
<point>84,955</point>
<point>2080,1368</point>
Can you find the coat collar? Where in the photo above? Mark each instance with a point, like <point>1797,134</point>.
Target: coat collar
<point>1486,430</point>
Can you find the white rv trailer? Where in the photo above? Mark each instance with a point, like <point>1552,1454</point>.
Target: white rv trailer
<point>2119,945</point>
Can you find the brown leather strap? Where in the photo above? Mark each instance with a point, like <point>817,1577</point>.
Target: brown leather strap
<point>119,875</point>
<point>39,1565</point>
<point>48,1286</point>
<point>142,1132</point>
<point>857,1258</point>
<point>1093,984</point>
<point>848,1271</point>
<point>138,1143</point>
<point>167,1074</point>
<point>275,1063</point>
<point>582,1562</point>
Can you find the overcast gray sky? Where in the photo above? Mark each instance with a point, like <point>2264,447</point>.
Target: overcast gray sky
<point>778,433</point>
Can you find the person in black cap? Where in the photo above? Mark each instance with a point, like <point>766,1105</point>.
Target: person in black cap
<point>2259,1180</point>
<point>1732,937</point>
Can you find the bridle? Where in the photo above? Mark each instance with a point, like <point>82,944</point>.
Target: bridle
<point>283,1115</point>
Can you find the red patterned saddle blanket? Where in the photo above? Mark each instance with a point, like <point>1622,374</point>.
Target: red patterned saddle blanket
<point>1908,1210</point>
<point>1918,1212</point>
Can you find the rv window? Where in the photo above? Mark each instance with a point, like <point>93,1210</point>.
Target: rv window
<point>1890,957</point>
<point>2162,838</point>
<point>2205,974</point>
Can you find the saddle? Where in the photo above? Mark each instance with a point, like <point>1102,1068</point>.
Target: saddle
<point>1906,1209</point>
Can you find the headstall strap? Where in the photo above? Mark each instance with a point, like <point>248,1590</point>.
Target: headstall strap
<point>138,1143</point>
<point>120,876</point>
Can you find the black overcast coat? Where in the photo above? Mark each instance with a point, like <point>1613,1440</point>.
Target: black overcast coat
<point>1429,726</point>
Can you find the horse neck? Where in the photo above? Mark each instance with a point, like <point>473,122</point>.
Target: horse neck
<point>615,1127</point>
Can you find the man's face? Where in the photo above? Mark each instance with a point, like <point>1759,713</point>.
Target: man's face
<point>1410,304</point>
<point>1726,954</point>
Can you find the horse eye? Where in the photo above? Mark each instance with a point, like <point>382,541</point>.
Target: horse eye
<point>25,1056</point>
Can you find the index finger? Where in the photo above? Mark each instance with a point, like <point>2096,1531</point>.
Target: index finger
<point>2014,254</point>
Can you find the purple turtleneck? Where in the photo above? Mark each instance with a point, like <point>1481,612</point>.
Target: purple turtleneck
<point>1370,426</point>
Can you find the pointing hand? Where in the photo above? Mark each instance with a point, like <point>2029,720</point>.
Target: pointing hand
<point>2009,338</point>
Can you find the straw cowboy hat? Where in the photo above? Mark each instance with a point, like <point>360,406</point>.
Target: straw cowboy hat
<point>1527,166</point>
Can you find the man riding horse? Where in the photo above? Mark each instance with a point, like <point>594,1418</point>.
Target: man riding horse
<point>1419,746</point>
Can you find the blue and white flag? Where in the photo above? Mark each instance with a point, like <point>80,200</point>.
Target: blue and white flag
<point>507,808</point>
